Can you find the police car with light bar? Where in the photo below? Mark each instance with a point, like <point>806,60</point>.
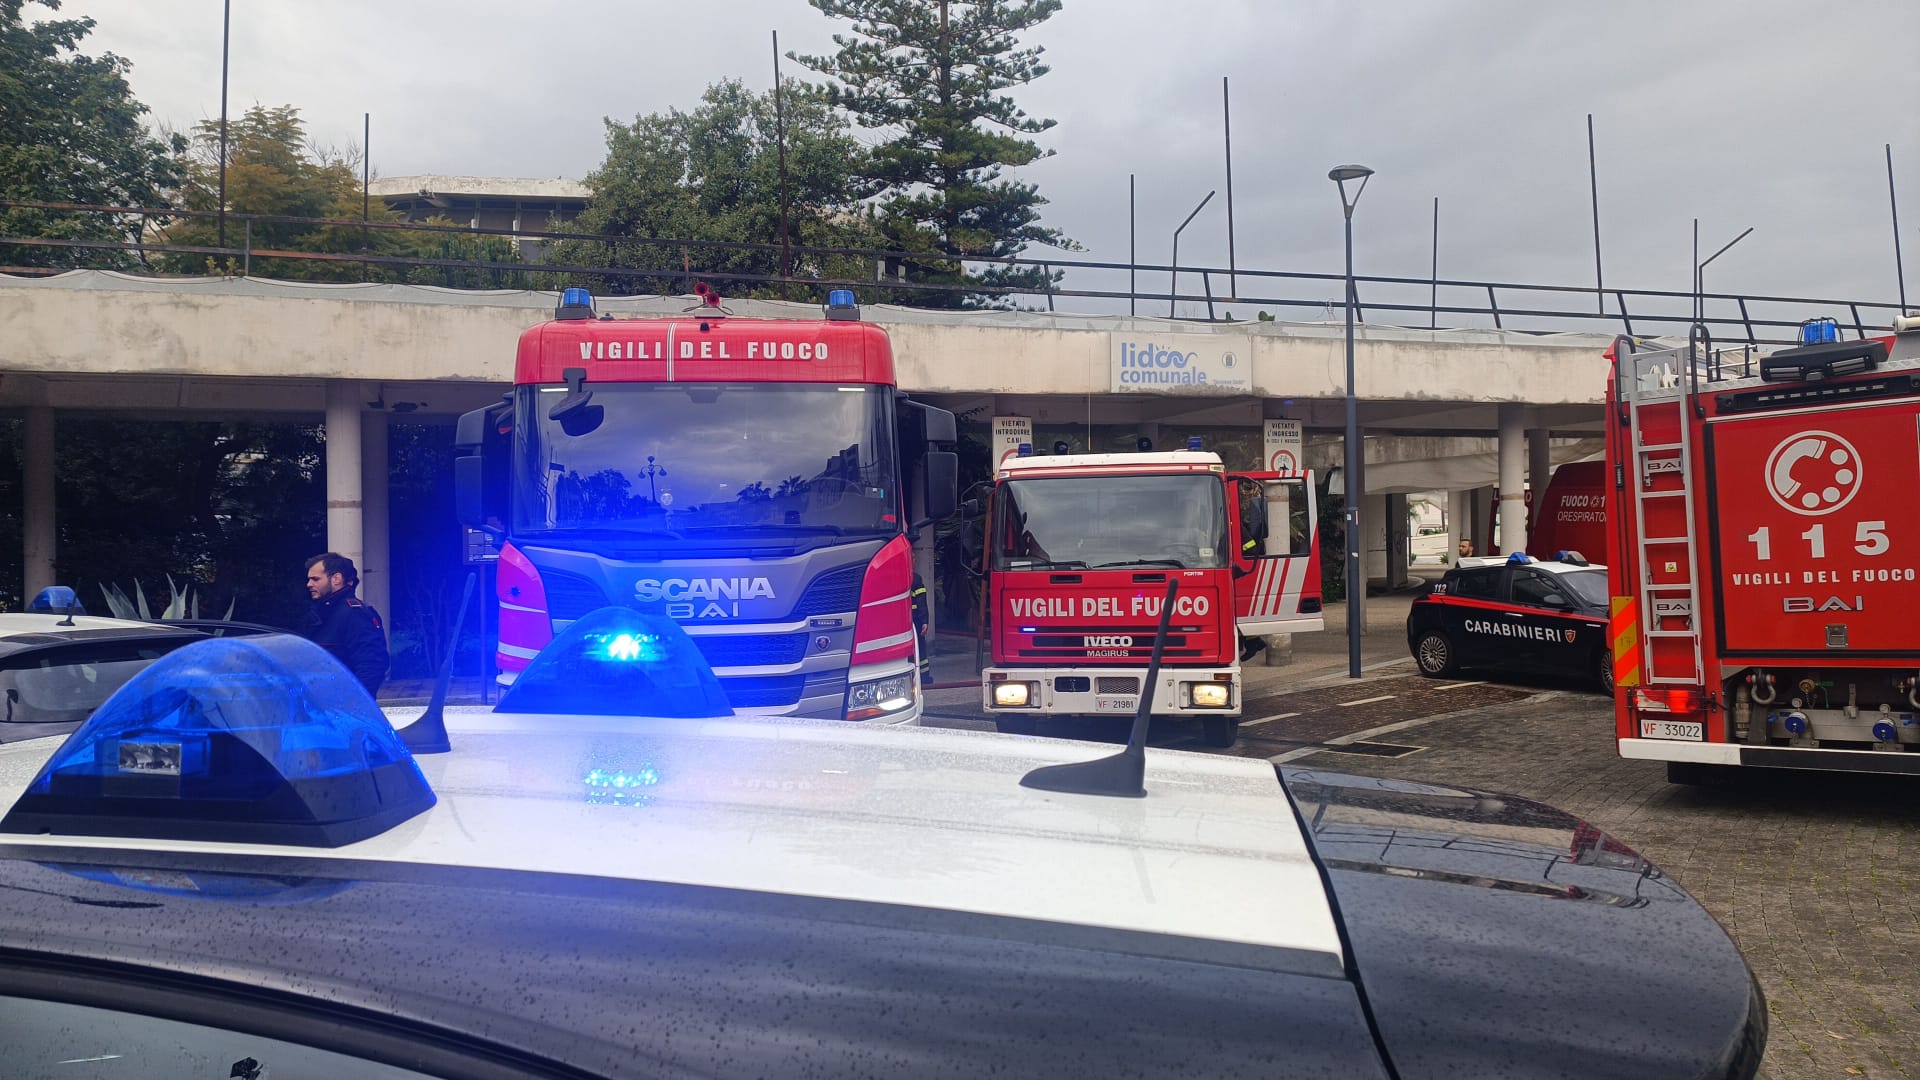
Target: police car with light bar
<point>239,866</point>
<point>1515,613</point>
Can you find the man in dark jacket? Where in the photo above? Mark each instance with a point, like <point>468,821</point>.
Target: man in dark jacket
<point>341,623</point>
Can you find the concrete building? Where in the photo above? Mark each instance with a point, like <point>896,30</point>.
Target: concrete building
<point>487,202</point>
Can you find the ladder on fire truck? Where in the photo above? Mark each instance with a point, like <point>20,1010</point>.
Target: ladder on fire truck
<point>1658,387</point>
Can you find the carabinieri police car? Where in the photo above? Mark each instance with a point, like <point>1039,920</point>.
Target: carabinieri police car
<point>240,867</point>
<point>1515,613</point>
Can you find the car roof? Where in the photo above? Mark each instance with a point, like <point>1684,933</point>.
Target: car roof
<point>1483,562</point>
<point>1211,862</point>
<point>31,630</point>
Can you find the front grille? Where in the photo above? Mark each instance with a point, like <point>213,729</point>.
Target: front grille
<point>763,691</point>
<point>751,650</point>
<point>1112,684</point>
<point>834,593</point>
<point>570,596</point>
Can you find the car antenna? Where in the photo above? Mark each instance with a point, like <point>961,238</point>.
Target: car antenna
<point>1122,774</point>
<point>428,734</point>
<point>73,604</point>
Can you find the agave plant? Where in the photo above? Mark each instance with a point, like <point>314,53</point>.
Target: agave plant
<point>181,603</point>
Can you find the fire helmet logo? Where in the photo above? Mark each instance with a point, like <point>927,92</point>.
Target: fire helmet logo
<point>1814,473</point>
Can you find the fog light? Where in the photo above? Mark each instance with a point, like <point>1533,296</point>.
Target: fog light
<point>1209,695</point>
<point>1012,694</point>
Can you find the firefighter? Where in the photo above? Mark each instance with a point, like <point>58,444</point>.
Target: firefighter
<point>921,613</point>
<point>342,623</point>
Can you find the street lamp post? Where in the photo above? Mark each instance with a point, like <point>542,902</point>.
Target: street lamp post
<point>1356,580</point>
<point>1700,272</point>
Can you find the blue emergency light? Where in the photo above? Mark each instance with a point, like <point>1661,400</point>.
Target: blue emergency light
<point>1026,449</point>
<point>56,600</point>
<point>616,661</point>
<point>575,303</point>
<point>264,740</point>
<point>841,306</point>
<point>1519,558</point>
<point>1821,331</point>
<point>1193,442</point>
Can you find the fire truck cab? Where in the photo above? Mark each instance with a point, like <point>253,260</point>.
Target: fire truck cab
<point>1768,553</point>
<point>1081,549</point>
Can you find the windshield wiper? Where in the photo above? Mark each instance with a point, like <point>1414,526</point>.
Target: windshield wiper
<point>769,527</point>
<point>1175,563</point>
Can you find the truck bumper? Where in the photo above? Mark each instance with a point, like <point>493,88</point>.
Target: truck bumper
<point>1065,691</point>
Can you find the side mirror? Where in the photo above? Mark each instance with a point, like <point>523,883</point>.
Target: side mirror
<point>1555,600</point>
<point>942,490</point>
<point>469,498</point>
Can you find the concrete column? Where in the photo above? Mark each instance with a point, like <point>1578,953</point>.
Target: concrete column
<point>38,517</point>
<point>376,577</point>
<point>1481,519</point>
<point>1374,530</point>
<point>1513,509</point>
<point>1459,522</point>
<point>343,470</point>
<point>1539,468</point>
<point>1396,540</point>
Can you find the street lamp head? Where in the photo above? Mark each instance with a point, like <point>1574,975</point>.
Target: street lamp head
<point>1349,172</point>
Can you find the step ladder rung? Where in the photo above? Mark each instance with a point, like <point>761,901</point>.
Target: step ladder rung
<point>1658,448</point>
<point>1667,540</point>
<point>1666,493</point>
<point>1670,633</point>
<point>1672,586</point>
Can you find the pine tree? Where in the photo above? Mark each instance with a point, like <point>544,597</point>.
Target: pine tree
<point>932,74</point>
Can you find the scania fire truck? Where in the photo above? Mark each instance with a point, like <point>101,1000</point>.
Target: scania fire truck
<point>751,478</point>
<point>1081,549</point>
<point>1767,553</point>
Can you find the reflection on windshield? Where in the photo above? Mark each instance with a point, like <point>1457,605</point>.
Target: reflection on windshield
<point>1103,522</point>
<point>667,459</point>
<point>65,687</point>
<point>1590,586</point>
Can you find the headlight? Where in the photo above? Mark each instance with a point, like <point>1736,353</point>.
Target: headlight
<point>1209,695</point>
<point>1013,695</point>
<point>880,697</point>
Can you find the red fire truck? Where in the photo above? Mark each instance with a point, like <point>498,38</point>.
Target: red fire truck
<point>750,478</point>
<point>1081,548</point>
<point>1767,546</point>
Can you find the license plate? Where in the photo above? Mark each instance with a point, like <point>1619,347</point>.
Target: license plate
<point>1123,704</point>
<point>1671,729</point>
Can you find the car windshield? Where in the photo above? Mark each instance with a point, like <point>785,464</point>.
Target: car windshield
<point>1091,522</point>
<point>51,691</point>
<point>672,459</point>
<point>1588,586</point>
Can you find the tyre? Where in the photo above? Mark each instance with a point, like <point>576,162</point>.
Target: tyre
<point>1603,671</point>
<point>1434,653</point>
<point>1220,731</point>
<point>1016,725</point>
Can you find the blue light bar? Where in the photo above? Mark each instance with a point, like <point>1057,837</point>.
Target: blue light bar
<point>263,740</point>
<point>1193,442</point>
<point>575,303</point>
<point>1821,331</point>
<point>56,599</point>
<point>1519,557</point>
<point>841,306</point>
<point>1026,449</point>
<point>616,661</point>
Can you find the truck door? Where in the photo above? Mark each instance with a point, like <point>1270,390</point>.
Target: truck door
<point>1276,556</point>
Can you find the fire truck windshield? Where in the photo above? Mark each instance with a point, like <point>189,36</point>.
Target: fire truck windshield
<point>1092,522</point>
<point>673,460</point>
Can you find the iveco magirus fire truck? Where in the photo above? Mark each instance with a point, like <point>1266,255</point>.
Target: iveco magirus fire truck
<point>1766,573</point>
<point>750,478</point>
<point>1081,549</point>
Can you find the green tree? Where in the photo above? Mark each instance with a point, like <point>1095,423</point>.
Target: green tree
<point>71,131</point>
<point>274,169</point>
<point>714,174</point>
<point>932,75</point>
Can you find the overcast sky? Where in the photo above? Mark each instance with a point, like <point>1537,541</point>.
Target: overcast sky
<point>1761,113</point>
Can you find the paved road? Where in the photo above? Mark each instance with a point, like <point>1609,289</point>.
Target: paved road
<point>1817,878</point>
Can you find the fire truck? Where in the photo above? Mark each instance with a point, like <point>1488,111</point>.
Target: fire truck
<point>1766,565</point>
<point>750,478</point>
<point>1080,552</point>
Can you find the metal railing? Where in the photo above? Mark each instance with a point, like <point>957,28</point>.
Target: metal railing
<point>1394,300</point>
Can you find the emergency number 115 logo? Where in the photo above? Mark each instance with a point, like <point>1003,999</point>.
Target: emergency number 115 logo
<point>1813,474</point>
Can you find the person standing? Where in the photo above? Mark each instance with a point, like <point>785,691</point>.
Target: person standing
<point>922,615</point>
<point>1466,548</point>
<point>342,623</point>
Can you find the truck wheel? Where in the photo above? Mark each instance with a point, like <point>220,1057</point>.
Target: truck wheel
<point>1434,653</point>
<point>1221,731</point>
<point>1016,725</point>
<point>1603,671</point>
